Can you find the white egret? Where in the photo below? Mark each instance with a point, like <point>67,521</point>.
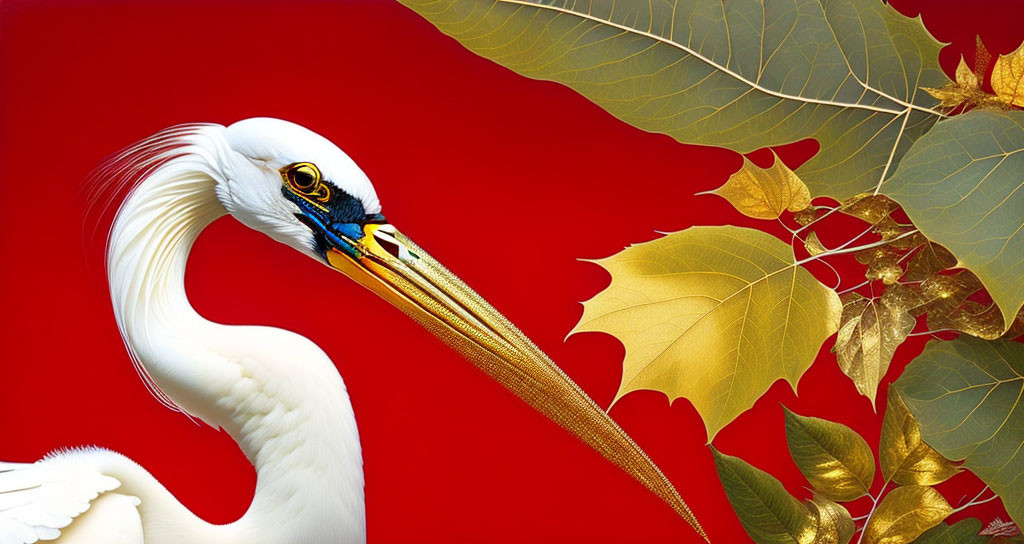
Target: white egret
<point>275,392</point>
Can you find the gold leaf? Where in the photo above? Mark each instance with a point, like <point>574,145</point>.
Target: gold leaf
<point>835,525</point>
<point>965,76</point>
<point>1008,77</point>
<point>950,96</point>
<point>870,255</point>
<point>813,245</point>
<point>712,314</point>
<point>886,269</point>
<point>944,299</point>
<point>836,461</point>
<point>904,514</point>
<point>981,58</point>
<point>928,259</point>
<point>868,207</point>
<point>967,89</point>
<point>889,229</point>
<point>981,320</point>
<point>870,330</point>
<point>806,216</point>
<point>764,193</point>
<point>905,458</point>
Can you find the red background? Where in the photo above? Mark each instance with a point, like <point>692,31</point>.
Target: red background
<point>507,180</point>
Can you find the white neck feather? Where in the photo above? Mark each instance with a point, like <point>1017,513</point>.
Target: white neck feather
<point>275,392</point>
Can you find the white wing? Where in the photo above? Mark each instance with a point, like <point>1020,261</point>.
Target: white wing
<point>38,500</point>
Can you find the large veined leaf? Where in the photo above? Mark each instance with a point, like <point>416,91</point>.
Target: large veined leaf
<point>968,398</point>
<point>742,74</point>
<point>961,186</point>
<point>714,315</point>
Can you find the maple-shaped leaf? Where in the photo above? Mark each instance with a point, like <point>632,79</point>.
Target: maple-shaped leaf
<point>998,527</point>
<point>764,193</point>
<point>714,315</point>
<point>870,330</point>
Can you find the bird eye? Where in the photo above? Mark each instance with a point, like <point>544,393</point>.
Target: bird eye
<point>304,177</point>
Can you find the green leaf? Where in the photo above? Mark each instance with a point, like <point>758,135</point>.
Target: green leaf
<point>962,532</point>
<point>960,184</point>
<point>966,395</point>
<point>769,514</point>
<point>712,314</point>
<point>742,74</point>
<point>833,457</point>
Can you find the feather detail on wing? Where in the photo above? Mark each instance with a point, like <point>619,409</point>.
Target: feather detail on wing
<point>38,500</point>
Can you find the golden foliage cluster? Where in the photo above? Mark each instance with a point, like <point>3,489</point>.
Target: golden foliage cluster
<point>840,467</point>
<point>919,278</point>
<point>1007,82</point>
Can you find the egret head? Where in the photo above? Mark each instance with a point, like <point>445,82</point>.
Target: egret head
<point>300,189</point>
<point>295,186</point>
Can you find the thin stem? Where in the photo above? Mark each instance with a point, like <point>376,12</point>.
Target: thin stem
<point>925,333</point>
<point>828,213</point>
<point>844,249</point>
<point>874,505</point>
<point>975,501</point>
<point>854,288</point>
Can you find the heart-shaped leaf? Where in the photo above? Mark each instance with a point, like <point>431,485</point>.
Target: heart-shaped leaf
<point>960,185</point>
<point>968,397</point>
<point>741,74</point>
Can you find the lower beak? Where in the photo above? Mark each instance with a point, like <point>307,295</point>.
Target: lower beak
<point>391,265</point>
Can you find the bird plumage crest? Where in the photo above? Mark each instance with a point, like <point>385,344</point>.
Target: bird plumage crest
<point>110,184</point>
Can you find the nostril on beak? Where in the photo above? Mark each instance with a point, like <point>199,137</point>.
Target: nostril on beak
<point>391,246</point>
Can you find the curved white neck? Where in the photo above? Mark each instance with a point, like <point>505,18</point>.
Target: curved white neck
<point>275,392</point>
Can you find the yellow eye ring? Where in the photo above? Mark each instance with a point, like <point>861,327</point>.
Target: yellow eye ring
<point>303,178</point>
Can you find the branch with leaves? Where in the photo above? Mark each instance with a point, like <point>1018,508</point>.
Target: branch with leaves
<point>840,467</point>
<point>933,167</point>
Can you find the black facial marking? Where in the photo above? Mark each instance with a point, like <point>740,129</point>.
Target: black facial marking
<point>344,208</point>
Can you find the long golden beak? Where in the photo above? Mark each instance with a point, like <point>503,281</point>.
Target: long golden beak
<point>389,264</point>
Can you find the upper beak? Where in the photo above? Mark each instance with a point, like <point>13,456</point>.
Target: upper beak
<point>391,265</point>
